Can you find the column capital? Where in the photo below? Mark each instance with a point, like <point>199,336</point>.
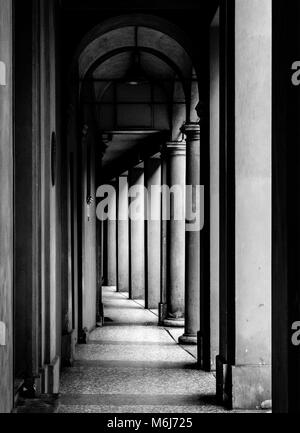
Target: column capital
<point>174,148</point>
<point>191,130</point>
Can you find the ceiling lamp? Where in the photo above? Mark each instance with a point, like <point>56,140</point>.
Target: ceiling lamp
<point>135,75</point>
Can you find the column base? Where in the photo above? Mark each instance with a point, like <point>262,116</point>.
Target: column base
<point>83,336</point>
<point>68,349</point>
<point>173,323</point>
<point>100,316</point>
<point>51,377</point>
<point>200,357</point>
<point>162,313</point>
<point>29,388</point>
<point>188,340</point>
<point>243,386</point>
<point>205,361</point>
<point>100,322</point>
<point>223,383</point>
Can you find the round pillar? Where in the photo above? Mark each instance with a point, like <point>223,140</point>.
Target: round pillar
<point>123,236</point>
<point>112,243</point>
<point>176,234</point>
<point>192,274</point>
<point>137,233</point>
<point>162,308</point>
<point>153,232</point>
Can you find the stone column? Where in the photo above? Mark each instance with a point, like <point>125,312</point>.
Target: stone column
<point>36,334</point>
<point>164,234</point>
<point>153,233</point>
<point>123,235</point>
<point>112,241</point>
<point>137,233</point>
<point>99,304</point>
<point>176,234</point>
<point>214,199</point>
<point>192,273</point>
<point>244,365</point>
<point>286,210</point>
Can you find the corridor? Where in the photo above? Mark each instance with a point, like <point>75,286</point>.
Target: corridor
<point>131,365</point>
<point>149,230</point>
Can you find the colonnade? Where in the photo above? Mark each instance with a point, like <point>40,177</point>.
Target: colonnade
<point>151,254</point>
<point>158,259</point>
<point>233,326</point>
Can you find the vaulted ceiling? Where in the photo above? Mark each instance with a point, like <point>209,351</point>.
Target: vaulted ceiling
<point>116,67</point>
<point>167,56</point>
<point>166,52</point>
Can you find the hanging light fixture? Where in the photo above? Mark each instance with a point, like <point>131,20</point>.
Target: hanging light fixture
<point>135,75</point>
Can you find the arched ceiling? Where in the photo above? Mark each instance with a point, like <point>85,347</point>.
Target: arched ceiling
<point>106,55</point>
<point>116,67</point>
<point>156,43</point>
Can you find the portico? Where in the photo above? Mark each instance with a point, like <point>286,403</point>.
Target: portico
<point>182,99</point>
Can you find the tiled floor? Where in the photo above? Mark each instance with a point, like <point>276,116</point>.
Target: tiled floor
<point>132,365</point>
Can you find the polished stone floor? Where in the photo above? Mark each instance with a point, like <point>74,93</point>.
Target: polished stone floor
<point>132,365</point>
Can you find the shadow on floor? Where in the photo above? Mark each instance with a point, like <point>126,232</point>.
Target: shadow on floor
<point>131,365</point>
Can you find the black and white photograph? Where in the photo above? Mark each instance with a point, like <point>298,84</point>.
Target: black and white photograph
<point>149,210</point>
